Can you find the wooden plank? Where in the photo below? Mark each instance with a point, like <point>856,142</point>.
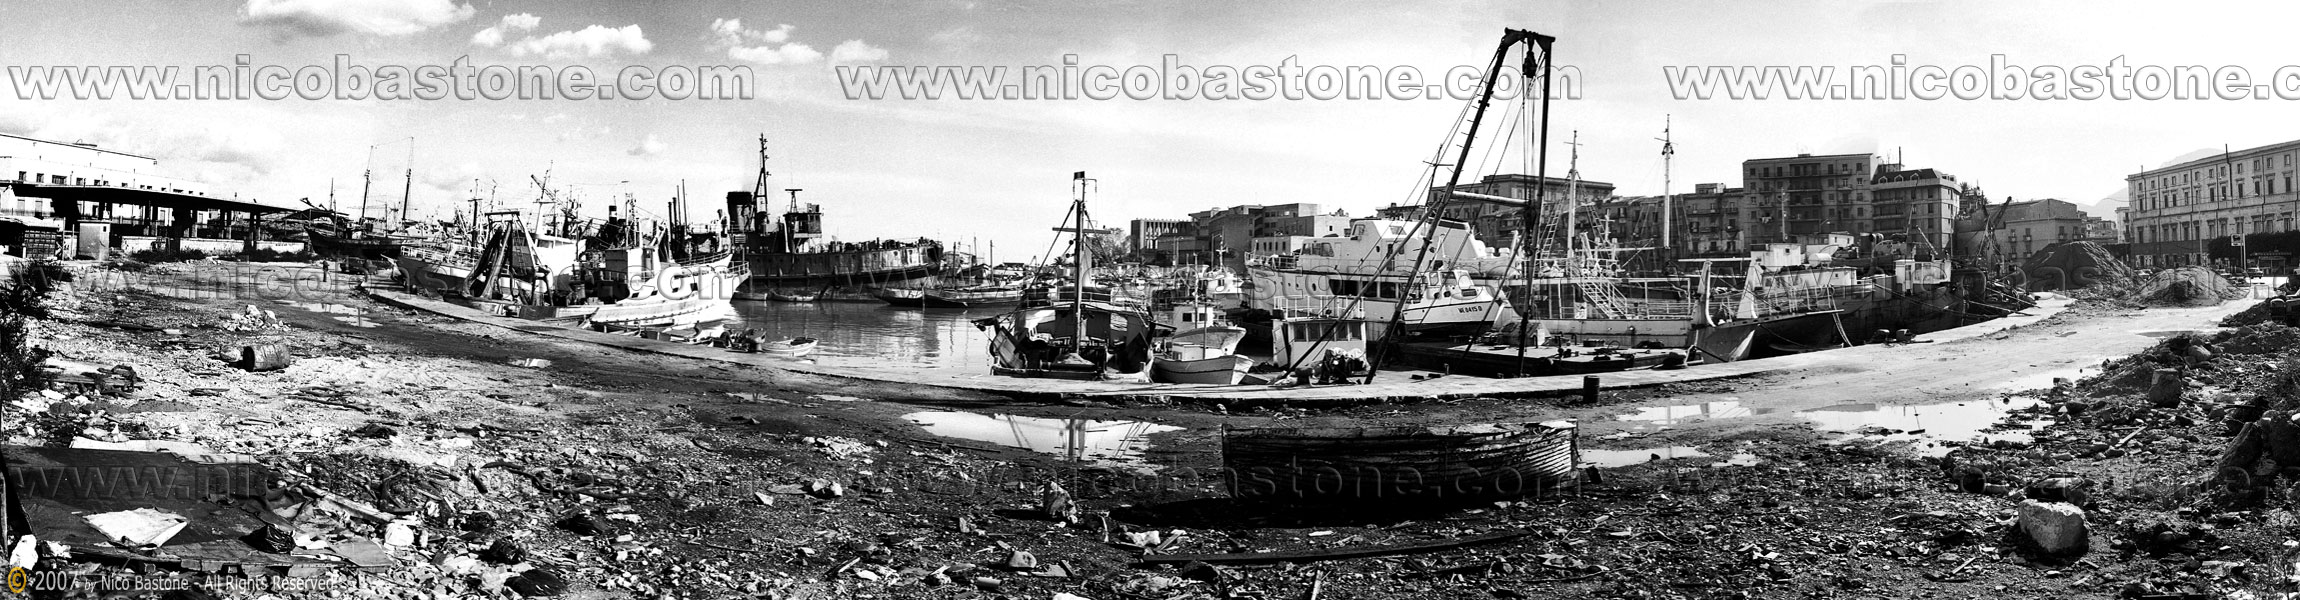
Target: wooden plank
<point>1332,553</point>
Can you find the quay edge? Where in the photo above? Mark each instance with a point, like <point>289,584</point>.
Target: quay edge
<point>1397,390</point>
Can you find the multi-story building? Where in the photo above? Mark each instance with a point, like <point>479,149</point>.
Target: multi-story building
<point>1709,221</point>
<point>2102,231</point>
<point>2177,213</point>
<point>1917,207</point>
<point>1142,234</point>
<point>1497,225</point>
<point>1859,194</point>
<point>2010,232</point>
<point>1814,194</point>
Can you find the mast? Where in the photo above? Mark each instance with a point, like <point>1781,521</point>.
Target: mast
<point>366,185</point>
<point>1509,39</point>
<point>1572,192</point>
<point>407,190</point>
<point>1541,170</point>
<point>1668,151</point>
<point>1079,258</point>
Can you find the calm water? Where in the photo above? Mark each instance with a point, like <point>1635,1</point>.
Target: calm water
<point>877,335</point>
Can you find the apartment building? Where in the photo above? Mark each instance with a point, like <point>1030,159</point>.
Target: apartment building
<point>2179,213</point>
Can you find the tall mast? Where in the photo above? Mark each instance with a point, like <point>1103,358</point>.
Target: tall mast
<point>1510,38</point>
<point>407,191</point>
<point>1541,174</point>
<point>366,183</point>
<point>1079,258</point>
<point>1572,196</point>
<point>1668,201</point>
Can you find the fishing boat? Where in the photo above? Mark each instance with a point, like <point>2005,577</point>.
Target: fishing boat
<point>777,295</point>
<point>970,297</point>
<point>1404,464</point>
<point>790,348</point>
<point>1203,349</point>
<point>903,297</point>
<point>791,252</point>
<point>620,271</point>
<point>1077,338</point>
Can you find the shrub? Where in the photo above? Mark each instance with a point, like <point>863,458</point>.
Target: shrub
<point>162,255</point>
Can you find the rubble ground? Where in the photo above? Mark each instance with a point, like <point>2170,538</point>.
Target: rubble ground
<point>633,475</point>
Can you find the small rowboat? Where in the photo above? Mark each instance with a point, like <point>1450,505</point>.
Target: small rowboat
<point>1399,464</point>
<point>791,348</point>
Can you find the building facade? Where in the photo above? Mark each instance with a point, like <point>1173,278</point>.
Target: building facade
<point>2177,213</point>
<point>2009,232</point>
<point>1497,225</point>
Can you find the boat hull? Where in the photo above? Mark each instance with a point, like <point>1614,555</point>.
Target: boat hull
<point>1413,464</point>
<point>1218,370</point>
<point>900,297</point>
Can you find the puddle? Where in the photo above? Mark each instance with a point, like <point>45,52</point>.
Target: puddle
<point>346,314</point>
<point>1623,458</point>
<point>1669,415</point>
<point>1738,459</point>
<point>2167,333</point>
<point>1103,443</point>
<point>1926,426</point>
<point>836,398</point>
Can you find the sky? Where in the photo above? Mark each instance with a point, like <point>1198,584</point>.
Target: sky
<point>1000,170</point>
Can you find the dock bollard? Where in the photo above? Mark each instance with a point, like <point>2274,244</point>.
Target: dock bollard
<point>1589,388</point>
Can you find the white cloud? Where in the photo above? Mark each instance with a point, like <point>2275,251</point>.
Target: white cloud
<point>732,33</point>
<point>786,54</point>
<point>854,51</point>
<point>591,42</point>
<point>770,47</point>
<point>493,36</point>
<point>323,18</point>
<point>957,38</point>
<point>648,147</point>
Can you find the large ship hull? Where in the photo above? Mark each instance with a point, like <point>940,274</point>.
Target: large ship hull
<point>878,267</point>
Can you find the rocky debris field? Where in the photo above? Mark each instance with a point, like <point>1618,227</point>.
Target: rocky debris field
<point>486,463</point>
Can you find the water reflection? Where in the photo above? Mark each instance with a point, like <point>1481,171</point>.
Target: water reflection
<point>876,335</point>
<point>1117,443</point>
<point>1926,425</point>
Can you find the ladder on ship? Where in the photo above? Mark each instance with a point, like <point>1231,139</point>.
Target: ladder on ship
<point>1609,300</point>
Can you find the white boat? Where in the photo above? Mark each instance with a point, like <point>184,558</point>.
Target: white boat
<point>1443,303</point>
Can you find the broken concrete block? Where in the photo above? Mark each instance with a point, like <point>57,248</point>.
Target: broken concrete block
<point>2167,389</point>
<point>264,357</point>
<point>139,527</point>
<point>2055,527</point>
<point>1021,560</point>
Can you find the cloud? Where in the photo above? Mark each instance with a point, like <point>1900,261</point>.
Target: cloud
<point>591,42</point>
<point>648,147</point>
<point>786,54</point>
<point>493,36</point>
<point>732,33</point>
<point>957,38</point>
<point>769,47</point>
<point>854,51</point>
<point>323,18</point>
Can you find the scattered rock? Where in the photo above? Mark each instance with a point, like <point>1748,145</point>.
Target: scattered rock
<point>2055,527</point>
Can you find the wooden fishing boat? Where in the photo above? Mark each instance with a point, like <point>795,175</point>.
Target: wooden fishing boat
<point>1202,355</point>
<point>903,297</point>
<point>790,348</point>
<point>1481,462</point>
<point>971,297</point>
